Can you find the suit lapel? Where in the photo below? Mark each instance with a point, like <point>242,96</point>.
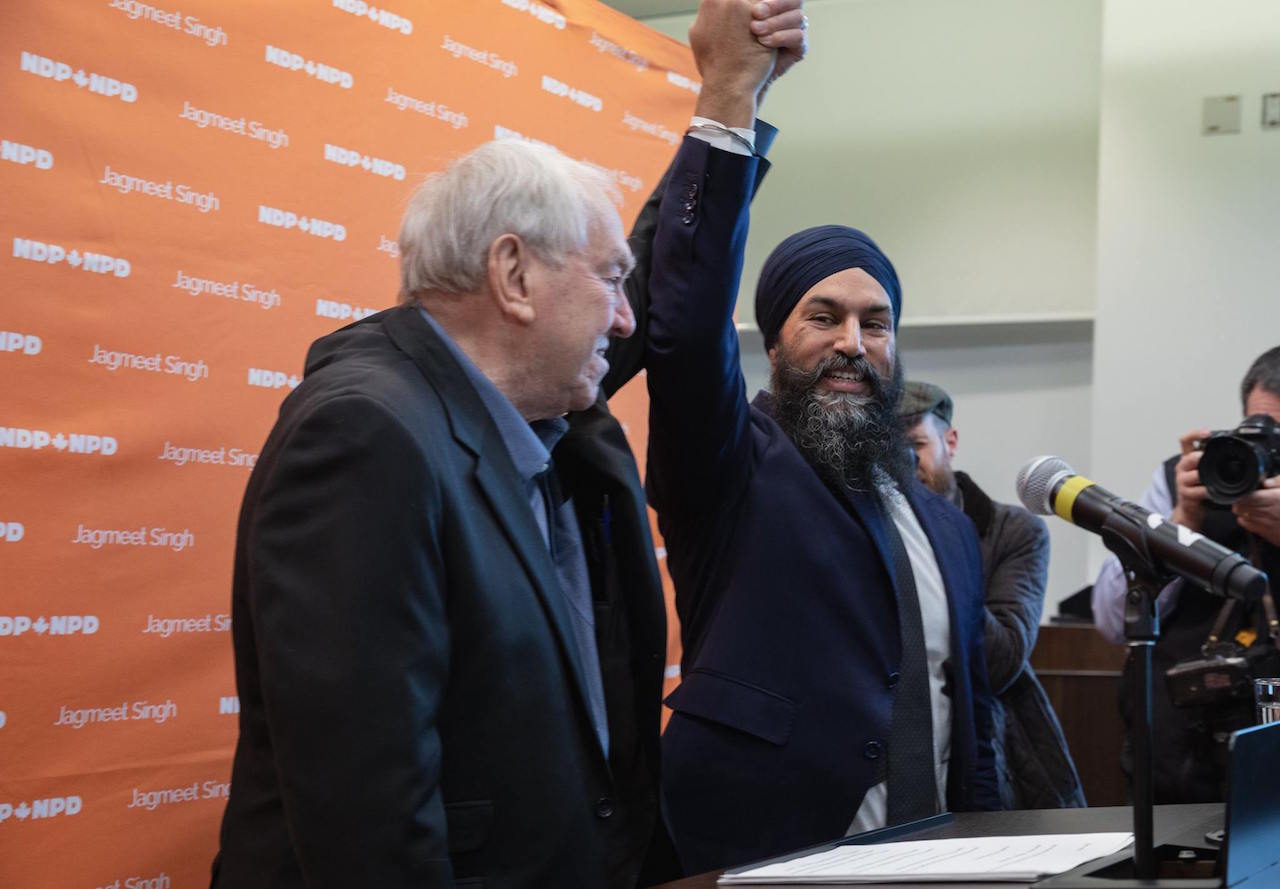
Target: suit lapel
<point>866,506</point>
<point>495,475</point>
<point>501,487</point>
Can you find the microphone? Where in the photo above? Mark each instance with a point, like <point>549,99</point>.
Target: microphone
<point>1048,485</point>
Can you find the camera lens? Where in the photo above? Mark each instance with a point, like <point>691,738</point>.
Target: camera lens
<point>1231,468</point>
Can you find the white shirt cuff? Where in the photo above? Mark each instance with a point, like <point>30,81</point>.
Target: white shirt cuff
<point>715,134</point>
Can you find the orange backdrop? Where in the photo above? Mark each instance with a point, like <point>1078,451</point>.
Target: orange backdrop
<point>193,193</point>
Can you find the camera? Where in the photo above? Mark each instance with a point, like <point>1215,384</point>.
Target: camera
<point>1236,461</point>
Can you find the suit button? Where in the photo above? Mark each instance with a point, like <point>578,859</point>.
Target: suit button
<point>604,808</point>
<point>687,219</point>
<point>872,749</point>
<point>892,680</point>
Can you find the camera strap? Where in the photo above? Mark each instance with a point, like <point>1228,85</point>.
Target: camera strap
<point>1266,623</point>
<point>1268,626</point>
<point>1224,614</point>
<point>1265,620</point>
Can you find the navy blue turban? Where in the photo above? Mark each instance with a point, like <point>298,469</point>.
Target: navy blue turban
<point>808,257</point>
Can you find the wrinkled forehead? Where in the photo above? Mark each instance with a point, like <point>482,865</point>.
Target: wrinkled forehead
<point>1262,401</point>
<point>928,426</point>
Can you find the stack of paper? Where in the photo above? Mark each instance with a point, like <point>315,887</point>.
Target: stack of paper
<point>1015,859</point>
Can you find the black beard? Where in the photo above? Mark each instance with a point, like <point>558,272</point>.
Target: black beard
<point>851,441</point>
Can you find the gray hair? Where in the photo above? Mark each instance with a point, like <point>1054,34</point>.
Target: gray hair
<point>503,187</point>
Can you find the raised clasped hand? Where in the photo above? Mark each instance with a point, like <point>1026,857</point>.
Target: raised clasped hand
<point>781,25</point>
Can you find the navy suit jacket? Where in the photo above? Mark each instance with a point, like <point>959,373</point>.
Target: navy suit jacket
<point>784,591</point>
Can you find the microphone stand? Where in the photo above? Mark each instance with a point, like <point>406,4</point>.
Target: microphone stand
<point>1146,577</point>
<point>1146,574</point>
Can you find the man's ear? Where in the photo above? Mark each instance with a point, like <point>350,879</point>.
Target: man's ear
<point>952,438</point>
<point>510,268</point>
<point>772,352</point>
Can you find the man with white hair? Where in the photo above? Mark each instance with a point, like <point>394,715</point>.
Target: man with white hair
<point>448,625</point>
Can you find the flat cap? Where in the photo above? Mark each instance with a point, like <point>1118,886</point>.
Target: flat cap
<point>920,398</point>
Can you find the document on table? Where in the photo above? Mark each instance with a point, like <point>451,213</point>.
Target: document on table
<point>1013,859</point>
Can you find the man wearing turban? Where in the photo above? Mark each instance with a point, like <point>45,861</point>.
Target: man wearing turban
<point>831,606</point>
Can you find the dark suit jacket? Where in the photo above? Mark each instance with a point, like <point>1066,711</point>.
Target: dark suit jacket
<point>785,596</point>
<point>412,708</point>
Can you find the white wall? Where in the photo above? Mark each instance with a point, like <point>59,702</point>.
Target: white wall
<point>1188,227</point>
<point>962,136</point>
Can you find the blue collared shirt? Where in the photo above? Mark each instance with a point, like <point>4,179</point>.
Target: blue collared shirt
<point>530,446</point>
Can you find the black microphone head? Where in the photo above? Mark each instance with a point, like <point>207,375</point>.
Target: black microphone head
<point>1037,480</point>
<point>1239,580</point>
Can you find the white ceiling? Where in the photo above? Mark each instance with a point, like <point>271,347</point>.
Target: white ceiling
<point>643,8</point>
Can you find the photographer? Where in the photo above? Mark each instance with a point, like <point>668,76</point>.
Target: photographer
<point>1190,755</point>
